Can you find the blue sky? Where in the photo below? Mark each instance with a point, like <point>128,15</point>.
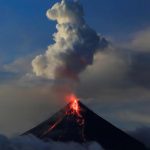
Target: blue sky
<point>25,29</point>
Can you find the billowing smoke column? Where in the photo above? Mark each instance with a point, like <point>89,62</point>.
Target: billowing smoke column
<point>74,47</point>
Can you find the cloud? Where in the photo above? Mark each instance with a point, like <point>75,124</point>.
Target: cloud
<point>135,117</point>
<point>19,66</point>
<point>140,41</point>
<point>6,76</point>
<point>140,69</point>
<point>12,72</point>
<point>32,143</point>
<point>66,12</point>
<point>74,47</point>
<point>108,71</point>
<point>116,70</point>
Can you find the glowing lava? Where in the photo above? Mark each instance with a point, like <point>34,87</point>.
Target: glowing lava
<point>74,107</point>
<point>73,113</point>
<point>75,110</point>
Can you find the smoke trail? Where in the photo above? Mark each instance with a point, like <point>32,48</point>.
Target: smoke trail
<point>74,47</point>
<point>32,143</point>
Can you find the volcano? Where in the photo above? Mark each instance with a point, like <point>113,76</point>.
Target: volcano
<point>87,126</point>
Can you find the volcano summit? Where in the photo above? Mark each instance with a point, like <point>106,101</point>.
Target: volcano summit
<point>67,126</point>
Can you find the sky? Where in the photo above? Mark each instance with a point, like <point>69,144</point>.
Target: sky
<point>116,85</point>
<point>26,28</point>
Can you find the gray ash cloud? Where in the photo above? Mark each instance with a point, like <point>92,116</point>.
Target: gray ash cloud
<point>75,44</point>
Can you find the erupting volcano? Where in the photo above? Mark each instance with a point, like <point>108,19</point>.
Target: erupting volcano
<point>74,109</point>
<point>74,105</point>
<point>77,123</point>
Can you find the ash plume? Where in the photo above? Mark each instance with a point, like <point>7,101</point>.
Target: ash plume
<point>75,44</point>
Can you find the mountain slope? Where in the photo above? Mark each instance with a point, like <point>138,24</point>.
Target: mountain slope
<point>90,127</point>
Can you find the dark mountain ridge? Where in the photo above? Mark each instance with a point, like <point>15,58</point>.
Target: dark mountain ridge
<point>90,127</point>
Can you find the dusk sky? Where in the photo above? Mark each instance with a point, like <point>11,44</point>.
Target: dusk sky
<point>116,85</point>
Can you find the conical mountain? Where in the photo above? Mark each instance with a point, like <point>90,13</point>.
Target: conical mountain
<point>89,127</point>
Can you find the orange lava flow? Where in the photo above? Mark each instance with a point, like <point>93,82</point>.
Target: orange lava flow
<point>74,107</point>
<point>75,110</point>
<point>52,126</point>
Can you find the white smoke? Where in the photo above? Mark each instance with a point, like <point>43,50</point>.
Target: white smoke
<point>74,47</point>
<point>32,143</point>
